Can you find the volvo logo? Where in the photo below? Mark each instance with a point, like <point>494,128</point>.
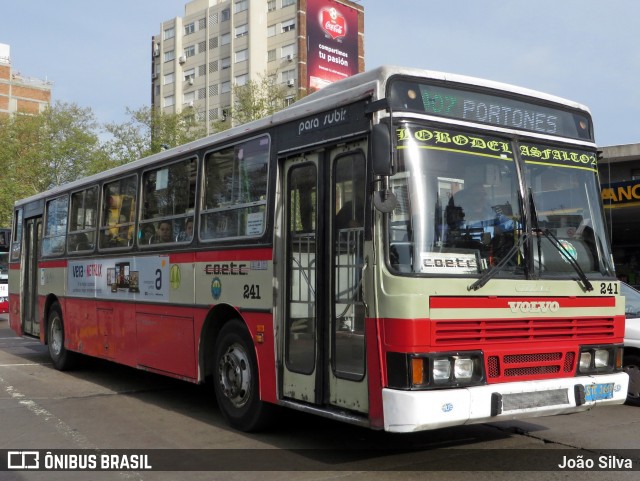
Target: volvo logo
<point>534,306</point>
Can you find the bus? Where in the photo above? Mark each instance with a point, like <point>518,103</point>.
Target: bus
<point>4,270</point>
<point>325,259</point>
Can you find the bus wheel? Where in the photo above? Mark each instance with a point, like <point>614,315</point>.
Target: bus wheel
<point>61,358</point>
<point>236,379</point>
<point>632,368</point>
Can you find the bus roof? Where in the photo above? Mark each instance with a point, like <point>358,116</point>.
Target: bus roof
<point>382,73</point>
<point>366,84</point>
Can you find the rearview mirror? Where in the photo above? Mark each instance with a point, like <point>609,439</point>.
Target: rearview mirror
<point>381,150</point>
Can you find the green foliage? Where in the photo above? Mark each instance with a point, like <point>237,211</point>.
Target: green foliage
<point>42,151</point>
<point>257,99</point>
<point>149,131</point>
<point>65,143</point>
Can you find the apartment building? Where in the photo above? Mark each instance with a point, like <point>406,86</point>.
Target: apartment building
<point>302,44</point>
<point>19,93</point>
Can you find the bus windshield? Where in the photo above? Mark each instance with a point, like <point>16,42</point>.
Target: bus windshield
<point>565,201</point>
<point>460,211</point>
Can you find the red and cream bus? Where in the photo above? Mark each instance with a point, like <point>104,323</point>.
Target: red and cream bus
<point>403,250</point>
<point>5,235</point>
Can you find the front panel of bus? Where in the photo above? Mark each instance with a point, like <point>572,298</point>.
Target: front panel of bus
<point>496,295</point>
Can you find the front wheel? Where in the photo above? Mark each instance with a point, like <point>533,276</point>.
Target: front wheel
<point>236,379</point>
<point>61,358</point>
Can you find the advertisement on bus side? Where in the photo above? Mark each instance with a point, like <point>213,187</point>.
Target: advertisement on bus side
<point>125,278</point>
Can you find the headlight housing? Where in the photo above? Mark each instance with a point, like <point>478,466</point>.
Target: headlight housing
<point>435,370</point>
<point>599,359</point>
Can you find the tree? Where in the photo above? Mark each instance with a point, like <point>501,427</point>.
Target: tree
<point>63,143</point>
<point>257,99</point>
<point>72,144</point>
<point>148,132</point>
<point>41,151</point>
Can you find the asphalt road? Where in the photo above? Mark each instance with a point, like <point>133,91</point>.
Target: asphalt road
<point>102,407</point>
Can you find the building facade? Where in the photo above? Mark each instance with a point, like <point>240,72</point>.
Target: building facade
<point>619,171</point>
<point>197,59</point>
<point>20,94</point>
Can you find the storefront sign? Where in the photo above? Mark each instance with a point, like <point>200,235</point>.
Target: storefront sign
<point>621,194</point>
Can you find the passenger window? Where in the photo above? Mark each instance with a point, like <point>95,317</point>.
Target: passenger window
<point>169,196</point>
<point>118,215</point>
<point>55,232</point>
<point>235,191</point>
<point>83,220</point>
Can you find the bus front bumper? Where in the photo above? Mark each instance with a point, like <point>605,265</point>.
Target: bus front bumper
<point>408,411</point>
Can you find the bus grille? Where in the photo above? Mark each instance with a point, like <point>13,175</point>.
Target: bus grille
<point>447,332</point>
<point>514,367</point>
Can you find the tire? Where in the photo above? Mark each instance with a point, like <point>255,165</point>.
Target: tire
<point>61,358</point>
<point>631,363</point>
<point>235,379</point>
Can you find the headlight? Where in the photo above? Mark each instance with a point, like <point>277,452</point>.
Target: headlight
<point>456,369</point>
<point>599,359</point>
<point>435,370</point>
<point>585,361</point>
<point>441,369</point>
<point>464,368</point>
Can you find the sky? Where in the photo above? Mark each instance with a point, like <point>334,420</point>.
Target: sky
<point>97,53</point>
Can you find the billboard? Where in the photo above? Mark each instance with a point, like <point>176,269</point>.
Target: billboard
<point>332,42</point>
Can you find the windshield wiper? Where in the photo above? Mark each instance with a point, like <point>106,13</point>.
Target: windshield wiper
<point>489,274</point>
<point>535,224</point>
<point>557,244</point>
<point>569,258</point>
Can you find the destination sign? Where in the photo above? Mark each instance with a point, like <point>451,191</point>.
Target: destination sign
<point>493,109</point>
<point>542,154</point>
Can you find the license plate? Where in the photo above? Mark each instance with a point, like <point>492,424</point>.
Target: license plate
<point>597,392</point>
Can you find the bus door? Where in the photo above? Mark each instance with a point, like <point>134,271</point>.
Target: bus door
<point>323,355</point>
<point>33,236</point>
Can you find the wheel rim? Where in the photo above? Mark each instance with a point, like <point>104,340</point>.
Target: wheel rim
<point>235,375</point>
<point>56,336</point>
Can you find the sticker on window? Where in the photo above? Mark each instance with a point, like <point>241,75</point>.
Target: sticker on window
<point>448,263</point>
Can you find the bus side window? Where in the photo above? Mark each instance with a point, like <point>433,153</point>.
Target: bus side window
<point>83,220</point>
<point>55,232</point>
<point>118,218</point>
<point>168,203</point>
<point>235,190</point>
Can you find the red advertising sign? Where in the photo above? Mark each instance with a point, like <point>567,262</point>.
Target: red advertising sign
<point>332,32</point>
<point>333,23</point>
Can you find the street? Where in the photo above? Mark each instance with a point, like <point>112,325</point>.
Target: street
<point>102,406</point>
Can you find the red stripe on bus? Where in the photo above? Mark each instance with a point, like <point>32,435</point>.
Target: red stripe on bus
<point>15,266</point>
<point>503,302</point>
<point>52,264</point>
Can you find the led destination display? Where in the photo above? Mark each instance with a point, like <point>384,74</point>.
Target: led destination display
<point>487,108</point>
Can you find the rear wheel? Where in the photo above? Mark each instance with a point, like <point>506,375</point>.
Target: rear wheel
<point>631,364</point>
<point>60,357</point>
<point>236,379</point>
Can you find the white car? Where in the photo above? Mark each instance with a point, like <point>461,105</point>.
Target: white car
<point>631,359</point>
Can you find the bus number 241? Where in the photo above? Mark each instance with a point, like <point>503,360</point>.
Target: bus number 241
<point>251,291</point>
